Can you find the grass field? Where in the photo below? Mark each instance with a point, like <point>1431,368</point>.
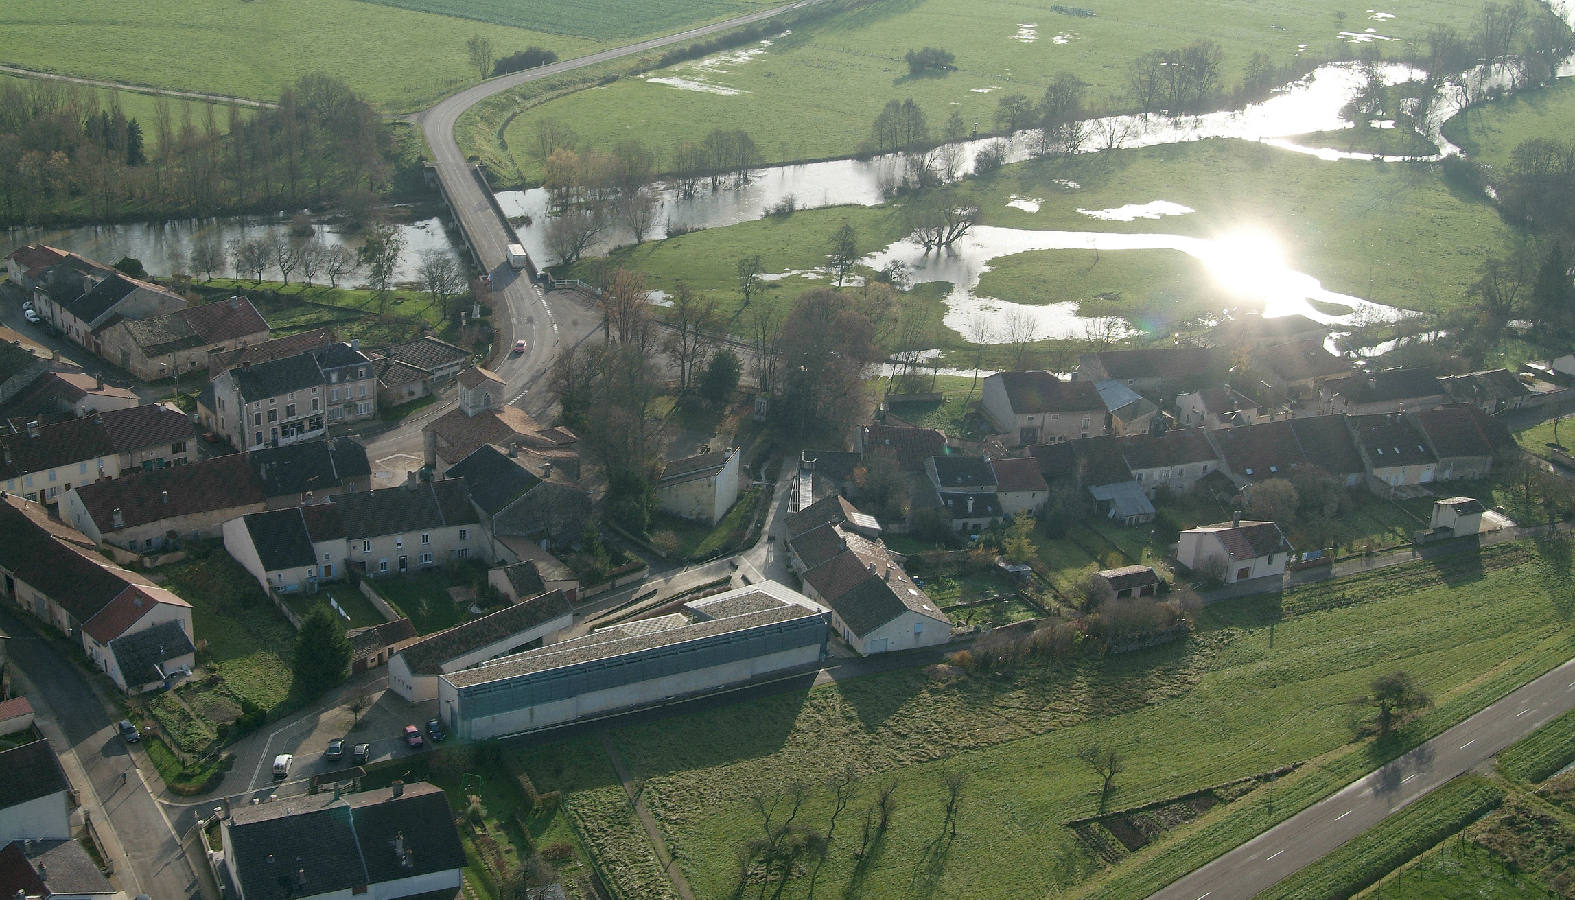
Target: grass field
<point>812,94</point>
<point>1460,870</point>
<point>1263,683</point>
<point>1541,754</point>
<point>605,20</point>
<point>352,313</point>
<point>399,59</point>
<point>1490,132</point>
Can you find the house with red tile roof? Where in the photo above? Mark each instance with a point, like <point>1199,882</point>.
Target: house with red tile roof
<point>180,342</point>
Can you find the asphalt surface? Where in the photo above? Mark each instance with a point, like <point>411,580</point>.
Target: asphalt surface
<point>1314,832</point>
<point>79,728</point>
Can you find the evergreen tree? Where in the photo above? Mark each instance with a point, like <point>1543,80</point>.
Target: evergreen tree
<point>322,655</point>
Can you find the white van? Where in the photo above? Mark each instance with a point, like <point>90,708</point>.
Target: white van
<point>281,765</point>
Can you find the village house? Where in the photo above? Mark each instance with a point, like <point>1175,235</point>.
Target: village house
<point>1019,487</point>
<point>290,399</point>
<point>416,369</point>
<point>82,299</point>
<point>1465,440</point>
<point>905,446</point>
<point>29,264</point>
<point>834,511</point>
<point>1277,449</point>
<point>179,342</point>
<point>702,487</point>
<point>41,462</point>
<point>1128,411</point>
<point>137,633</point>
<point>223,361</point>
<point>57,869</point>
<point>383,844</point>
<point>415,665</point>
<point>370,644</point>
<point>1298,369</point>
<point>542,574</point>
<point>1039,408</point>
<point>35,797</point>
<point>1173,460</point>
<point>1152,372</point>
<point>874,605</point>
<point>1395,451</point>
<point>1220,406</point>
<point>517,507</point>
<point>1386,391</point>
<point>1253,330</point>
<point>1459,515</point>
<point>1493,391</point>
<point>825,473</point>
<point>53,395</point>
<point>1235,551</point>
<point>289,550</point>
<point>484,417</point>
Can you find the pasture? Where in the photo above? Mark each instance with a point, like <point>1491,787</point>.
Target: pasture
<point>1490,132</point>
<point>1264,682</point>
<point>604,20</point>
<point>813,93</point>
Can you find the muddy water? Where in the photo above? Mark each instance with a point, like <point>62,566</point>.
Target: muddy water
<point>159,245</point>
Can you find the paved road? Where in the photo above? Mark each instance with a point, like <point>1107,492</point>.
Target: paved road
<point>74,719</point>
<point>1314,832</point>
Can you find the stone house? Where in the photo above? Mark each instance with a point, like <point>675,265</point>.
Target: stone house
<point>1386,391</point>
<point>416,369</point>
<point>1465,440</point>
<point>1129,581</point>
<point>1174,460</point>
<point>1395,451</point>
<point>1153,371</point>
<point>35,797</point>
<point>1039,408</point>
<point>702,487</point>
<point>41,462</point>
<point>1238,550</point>
<point>1220,406</point>
<point>289,399</point>
<point>179,342</point>
<point>85,300</point>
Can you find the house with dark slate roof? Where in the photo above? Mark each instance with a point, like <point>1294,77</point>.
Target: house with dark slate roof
<point>383,844</point>
<point>1040,408</point>
<point>179,342</point>
<point>1152,371</point>
<point>41,462</point>
<point>874,605</point>
<point>47,570</point>
<point>53,868</point>
<point>311,471</point>
<point>416,369</point>
<point>415,664</point>
<point>531,577</point>
<point>1395,451</point>
<point>1465,440</point>
<point>287,399</point>
<point>1386,391</point>
<point>34,794</point>
<point>1493,391</point>
<point>1174,460</point>
<point>82,298</point>
<point>1129,581</point>
<point>370,644</point>
<point>1237,551</point>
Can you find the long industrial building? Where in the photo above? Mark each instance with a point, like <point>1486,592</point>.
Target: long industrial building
<point>709,645</point>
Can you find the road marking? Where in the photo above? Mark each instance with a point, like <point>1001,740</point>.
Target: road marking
<point>1468,743</point>
<point>1204,894</point>
<point>1342,815</point>
<point>1273,855</point>
<point>1409,777</point>
<point>1521,713</point>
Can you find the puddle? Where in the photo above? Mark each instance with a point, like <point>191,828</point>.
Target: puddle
<point>1063,37</point>
<point>806,274</point>
<point>1069,184</point>
<point>1026,33</point>
<point>1379,16</point>
<point>1362,37</point>
<point>984,90</point>
<point>1026,204</point>
<point>1134,211</point>
<point>703,87</point>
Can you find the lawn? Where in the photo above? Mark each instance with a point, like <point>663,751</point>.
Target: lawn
<point>1263,683</point>
<point>693,540</point>
<point>1490,132</point>
<point>1460,870</point>
<point>812,93</point>
<point>352,313</point>
<point>360,610</point>
<point>1543,753</point>
<point>399,59</point>
<point>1537,438</point>
<point>424,597</point>
<point>240,634</point>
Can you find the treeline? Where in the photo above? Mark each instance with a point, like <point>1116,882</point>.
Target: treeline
<point>65,155</point>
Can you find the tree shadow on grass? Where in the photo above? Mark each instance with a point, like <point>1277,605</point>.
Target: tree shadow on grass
<point>1558,581</point>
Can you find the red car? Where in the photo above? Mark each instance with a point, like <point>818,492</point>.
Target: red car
<point>519,346</point>
<point>413,737</point>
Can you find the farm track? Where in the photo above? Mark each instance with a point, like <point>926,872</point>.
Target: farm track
<point>21,72</point>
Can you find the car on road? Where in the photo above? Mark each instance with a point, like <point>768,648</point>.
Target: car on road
<point>128,731</point>
<point>519,346</point>
<point>281,766</point>
<point>336,749</point>
<point>413,737</point>
<point>361,754</point>
<point>435,729</point>
<point>32,316</point>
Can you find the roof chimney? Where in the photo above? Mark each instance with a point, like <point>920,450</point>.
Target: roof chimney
<point>116,519</point>
<point>398,788</point>
<point>355,343</point>
<point>1235,518</point>
<point>32,428</point>
<point>98,382</point>
<point>164,496</point>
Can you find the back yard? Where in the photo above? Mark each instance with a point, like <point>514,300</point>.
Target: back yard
<point>1264,682</point>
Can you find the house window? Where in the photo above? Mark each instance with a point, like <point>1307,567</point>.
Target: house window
<point>259,438</point>
<point>51,474</point>
<point>327,557</point>
<point>382,565</point>
<point>464,534</point>
<point>178,447</point>
<point>363,409</point>
<point>399,542</point>
<point>462,553</point>
<point>918,628</point>
<point>1243,572</point>
<point>366,546</point>
<point>314,404</point>
<point>360,391</point>
<point>361,373</point>
<point>333,395</point>
<point>426,538</point>
<point>257,418</point>
<point>426,559</point>
<point>81,468</point>
<point>273,415</point>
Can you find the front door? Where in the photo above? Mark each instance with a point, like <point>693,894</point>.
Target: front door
<point>404,564</point>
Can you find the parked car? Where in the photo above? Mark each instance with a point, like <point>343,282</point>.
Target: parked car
<point>435,729</point>
<point>361,754</point>
<point>281,766</point>
<point>27,305</point>
<point>336,749</point>
<point>413,737</point>
<point>128,731</point>
<point>32,316</point>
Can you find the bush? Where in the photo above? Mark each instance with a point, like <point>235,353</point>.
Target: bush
<point>558,852</point>
<point>990,158</point>
<point>930,59</point>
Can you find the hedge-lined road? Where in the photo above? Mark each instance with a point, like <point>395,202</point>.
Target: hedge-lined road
<point>1309,835</point>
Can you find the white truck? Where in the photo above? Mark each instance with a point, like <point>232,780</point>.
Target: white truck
<point>517,257</point>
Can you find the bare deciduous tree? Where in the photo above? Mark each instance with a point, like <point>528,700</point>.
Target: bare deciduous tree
<point>339,261</point>
<point>480,50</point>
<point>573,231</point>
<point>251,256</point>
<point>693,320</point>
<point>1106,762</point>
<point>441,276</point>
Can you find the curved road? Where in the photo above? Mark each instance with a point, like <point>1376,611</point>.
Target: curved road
<point>529,317</point>
<point>1310,834</point>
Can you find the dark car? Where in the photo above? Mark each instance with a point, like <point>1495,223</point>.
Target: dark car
<point>413,738</point>
<point>435,729</point>
<point>128,731</point>
<point>360,754</point>
<point>336,749</point>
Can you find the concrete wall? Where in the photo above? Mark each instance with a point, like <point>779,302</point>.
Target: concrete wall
<point>46,818</point>
<point>1014,502</point>
<point>703,499</point>
<point>407,684</point>
<point>160,613</point>
<point>446,880</point>
<point>624,697</point>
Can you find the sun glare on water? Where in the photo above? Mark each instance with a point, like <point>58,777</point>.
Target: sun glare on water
<point>1251,263</point>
